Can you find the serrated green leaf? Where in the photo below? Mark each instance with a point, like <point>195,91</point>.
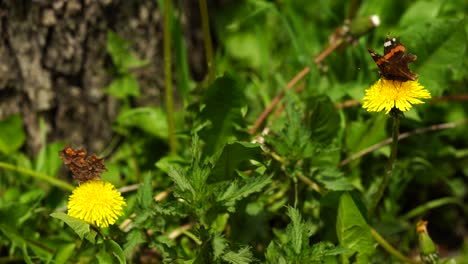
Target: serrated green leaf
<point>295,230</point>
<point>177,174</point>
<point>223,101</point>
<point>148,119</point>
<point>352,229</point>
<point>234,193</point>
<point>232,156</point>
<point>145,192</point>
<point>134,238</point>
<point>219,244</point>
<point>12,135</point>
<point>274,254</point>
<point>323,119</point>
<point>123,87</point>
<point>115,249</point>
<point>243,256</point>
<point>81,228</point>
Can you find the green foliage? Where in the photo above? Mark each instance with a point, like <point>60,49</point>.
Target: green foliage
<point>12,136</point>
<point>353,231</point>
<point>293,191</point>
<point>125,85</point>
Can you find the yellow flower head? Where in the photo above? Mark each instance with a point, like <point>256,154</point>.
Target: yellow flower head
<point>96,202</point>
<point>387,94</point>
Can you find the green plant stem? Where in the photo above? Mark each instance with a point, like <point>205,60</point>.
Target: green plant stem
<point>391,250</point>
<point>431,205</point>
<point>207,40</point>
<point>168,77</point>
<point>391,161</point>
<point>37,175</point>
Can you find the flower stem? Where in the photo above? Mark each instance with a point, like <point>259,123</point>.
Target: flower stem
<point>395,114</point>
<point>168,77</point>
<point>391,250</point>
<point>207,40</point>
<point>37,175</point>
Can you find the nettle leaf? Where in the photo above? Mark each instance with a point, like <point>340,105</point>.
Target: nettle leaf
<point>440,45</point>
<point>298,231</point>
<point>12,135</point>
<point>145,193</point>
<point>81,228</point>
<point>219,244</point>
<point>243,256</point>
<point>134,238</point>
<point>352,229</point>
<point>274,254</point>
<point>123,87</point>
<point>150,120</point>
<point>238,190</point>
<point>323,119</point>
<point>360,135</point>
<point>232,156</point>
<point>222,108</point>
<point>178,175</point>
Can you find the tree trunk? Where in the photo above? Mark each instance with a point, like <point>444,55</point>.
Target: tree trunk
<point>54,65</point>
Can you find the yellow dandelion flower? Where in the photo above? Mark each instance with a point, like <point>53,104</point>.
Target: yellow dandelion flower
<point>96,202</point>
<point>387,94</point>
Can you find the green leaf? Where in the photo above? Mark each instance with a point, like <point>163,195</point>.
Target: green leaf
<point>118,49</point>
<point>243,256</point>
<point>223,101</point>
<point>148,119</point>
<point>134,238</point>
<point>323,119</point>
<point>234,192</point>
<point>440,45</point>
<point>115,249</point>
<point>420,11</point>
<point>64,253</point>
<point>145,192</point>
<point>352,229</point>
<point>334,180</point>
<point>219,244</point>
<point>177,174</point>
<point>232,157</point>
<point>81,228</point>
<point>123,87</point>
<point>12,135</point>
<point>295,230</point>
<point>48,161</point>
<point>274,254</point>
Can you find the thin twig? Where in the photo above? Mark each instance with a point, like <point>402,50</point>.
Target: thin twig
<point>277,99</point>
<point>129,188</point>
<point>178,231</point>
<point>403,136</point>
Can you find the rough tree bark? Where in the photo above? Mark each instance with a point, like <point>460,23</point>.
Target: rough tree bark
<point>54,65</point>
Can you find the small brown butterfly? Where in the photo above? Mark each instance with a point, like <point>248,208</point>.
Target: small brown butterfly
<point>393,65</point>
<point>84,168</point>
